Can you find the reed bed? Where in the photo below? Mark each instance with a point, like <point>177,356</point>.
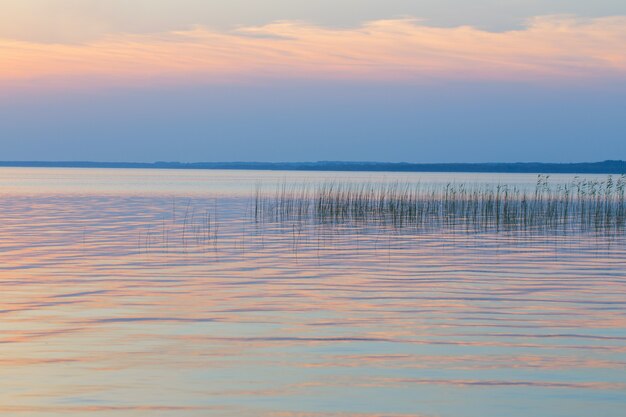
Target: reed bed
<point>581,205</point>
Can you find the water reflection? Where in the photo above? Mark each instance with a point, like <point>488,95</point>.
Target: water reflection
<point>107,308</point>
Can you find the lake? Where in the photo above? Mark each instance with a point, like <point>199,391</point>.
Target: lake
<point>157,293</point>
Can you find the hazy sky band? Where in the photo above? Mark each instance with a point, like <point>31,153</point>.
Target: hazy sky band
<point>75,21</point>
<point>549,47</point>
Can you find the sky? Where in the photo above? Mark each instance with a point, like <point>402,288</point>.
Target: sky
<point>289,80</point>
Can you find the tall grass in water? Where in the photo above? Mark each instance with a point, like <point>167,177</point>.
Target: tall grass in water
<point>581,205</point>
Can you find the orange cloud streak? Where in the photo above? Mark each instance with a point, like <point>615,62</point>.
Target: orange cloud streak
<point>549,47</point>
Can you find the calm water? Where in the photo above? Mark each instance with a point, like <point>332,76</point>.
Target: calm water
<point>154,293</point>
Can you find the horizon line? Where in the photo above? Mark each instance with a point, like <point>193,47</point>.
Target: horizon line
<point>598,167</point>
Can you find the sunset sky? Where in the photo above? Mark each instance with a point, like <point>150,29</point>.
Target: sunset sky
<point>288,80</point>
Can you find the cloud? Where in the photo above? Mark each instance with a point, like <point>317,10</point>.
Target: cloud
<point>404,50</point>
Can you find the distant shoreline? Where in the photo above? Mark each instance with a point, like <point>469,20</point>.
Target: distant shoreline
<point>604,167</point>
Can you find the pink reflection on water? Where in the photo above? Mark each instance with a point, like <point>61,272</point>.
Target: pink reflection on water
<point>106,307</point>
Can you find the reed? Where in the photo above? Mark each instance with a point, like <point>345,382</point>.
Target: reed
<point>581,205</point>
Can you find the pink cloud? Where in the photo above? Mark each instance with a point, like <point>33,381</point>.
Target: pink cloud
<point>548,48</point>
